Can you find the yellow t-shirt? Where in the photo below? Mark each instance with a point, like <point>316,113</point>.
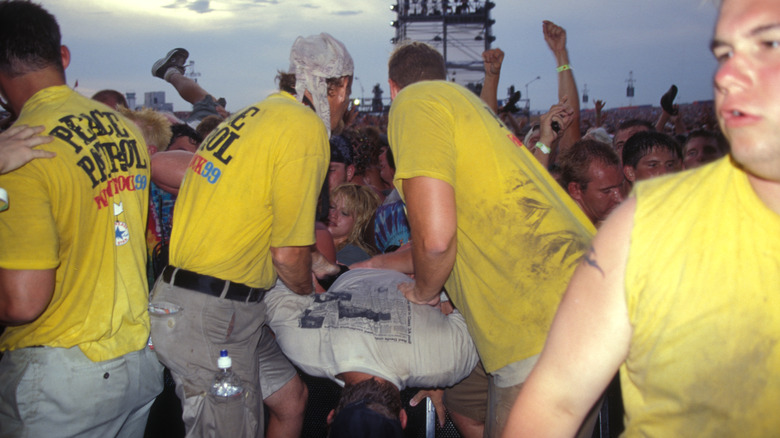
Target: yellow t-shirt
<point>253,184</point>
<point>519,235</point>
<point>82,213</point>
<point>703,296</point>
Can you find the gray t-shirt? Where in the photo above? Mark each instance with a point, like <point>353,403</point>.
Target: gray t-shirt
<point>364,324</point>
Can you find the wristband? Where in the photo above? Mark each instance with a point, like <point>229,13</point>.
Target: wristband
<point>564,67</point>
<point>3,200</point>
<point>542,147</point>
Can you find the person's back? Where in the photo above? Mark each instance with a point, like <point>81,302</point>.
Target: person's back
<point>225,171</point>
<point>74,251</point>
<point>83,212</point>
<point>363,323</point>
<point>244,217</point>
<point>500,190</point>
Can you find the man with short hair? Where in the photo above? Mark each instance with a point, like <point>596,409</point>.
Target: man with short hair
<point>239,226</point>
<point>342,168</point>
<point>627,130</point>
<point>486,219</point>
<point>650,154</point>
<point>73,291</point>
<point>663,294</point>
<point>591,174</point>
<point>702,147</point>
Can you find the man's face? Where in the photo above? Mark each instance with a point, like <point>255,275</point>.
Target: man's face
<point>700,150</point>
<point>659,161</point>
<point>603,193</point>
<point>337,175</point>
<point>622,136</point>
<point>385,171</point>
<point>747,83</point>
<point>338,100</point>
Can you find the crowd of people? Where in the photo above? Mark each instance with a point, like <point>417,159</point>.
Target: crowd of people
<point>508,267</point>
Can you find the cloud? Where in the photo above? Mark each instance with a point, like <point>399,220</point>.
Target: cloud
<point>199,6</point>
<point>347,13</point>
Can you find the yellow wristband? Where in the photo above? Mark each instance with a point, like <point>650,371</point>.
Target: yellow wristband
<point>564,67</point>
<point>542,147</point>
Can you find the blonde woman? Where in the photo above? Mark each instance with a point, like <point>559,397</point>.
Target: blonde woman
<point>351,222</point>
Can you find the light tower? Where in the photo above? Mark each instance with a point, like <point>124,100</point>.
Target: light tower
<point>460,29</point>
<point>630,88</point>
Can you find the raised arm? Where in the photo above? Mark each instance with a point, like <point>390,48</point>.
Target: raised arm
<point>588,340</point>
<point>430,205</point>
<point>493,59</point>
<point>555,36</point>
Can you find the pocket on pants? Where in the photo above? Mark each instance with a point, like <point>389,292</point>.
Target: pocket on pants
<point>227,417</point>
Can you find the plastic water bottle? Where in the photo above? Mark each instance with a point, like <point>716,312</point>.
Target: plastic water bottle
<point>226,382</point>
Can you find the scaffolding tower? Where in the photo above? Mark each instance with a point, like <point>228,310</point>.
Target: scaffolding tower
<point>460,29</point>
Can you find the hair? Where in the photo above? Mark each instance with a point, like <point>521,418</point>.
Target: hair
<point>575,161</point>
<point>723,145</point>
<point>287,82</point>
<point>390,158</point>
<point>636,122</point>
<point>154,126</point>
<point>415,61</point>
<point>29,39</point>
<point>380,396</point>
<point>208,124</point>
<point>184,130</point>
<point>112,98</point>
<point>642,143</point>
<point>361,202</point>
<point>366,147</point>
<point>341,150</point>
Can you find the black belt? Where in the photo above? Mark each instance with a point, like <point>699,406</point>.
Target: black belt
<point>212,285</point>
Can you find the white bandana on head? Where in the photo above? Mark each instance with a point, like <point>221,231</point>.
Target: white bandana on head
<point>314,59</point>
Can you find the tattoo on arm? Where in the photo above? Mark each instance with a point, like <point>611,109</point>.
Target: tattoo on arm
<point>590,259</point>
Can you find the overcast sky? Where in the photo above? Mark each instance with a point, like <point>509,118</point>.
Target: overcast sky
<point>238,45</point>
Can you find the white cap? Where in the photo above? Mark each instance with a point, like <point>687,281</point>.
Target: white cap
<point>224,362</point>
<point>314,59</point>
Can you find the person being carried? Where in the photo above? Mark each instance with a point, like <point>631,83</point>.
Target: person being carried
<point>363,329</point>
<point>170,68</point>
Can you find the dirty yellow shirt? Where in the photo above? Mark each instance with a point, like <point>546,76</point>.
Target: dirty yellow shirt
<point>519,235</point>
<point>703,296</point>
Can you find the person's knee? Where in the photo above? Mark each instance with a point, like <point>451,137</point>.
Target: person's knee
<point>289,400</point>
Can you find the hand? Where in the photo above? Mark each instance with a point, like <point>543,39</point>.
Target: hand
<point>350,116</point>
<point>16,147</point>
<point>411,293</point>
<point>493,59</point>
<point>321,267</point>
<point>599,105</point>
<point>554,35</point>
<point>437,397</point>
<point>562,113</point>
